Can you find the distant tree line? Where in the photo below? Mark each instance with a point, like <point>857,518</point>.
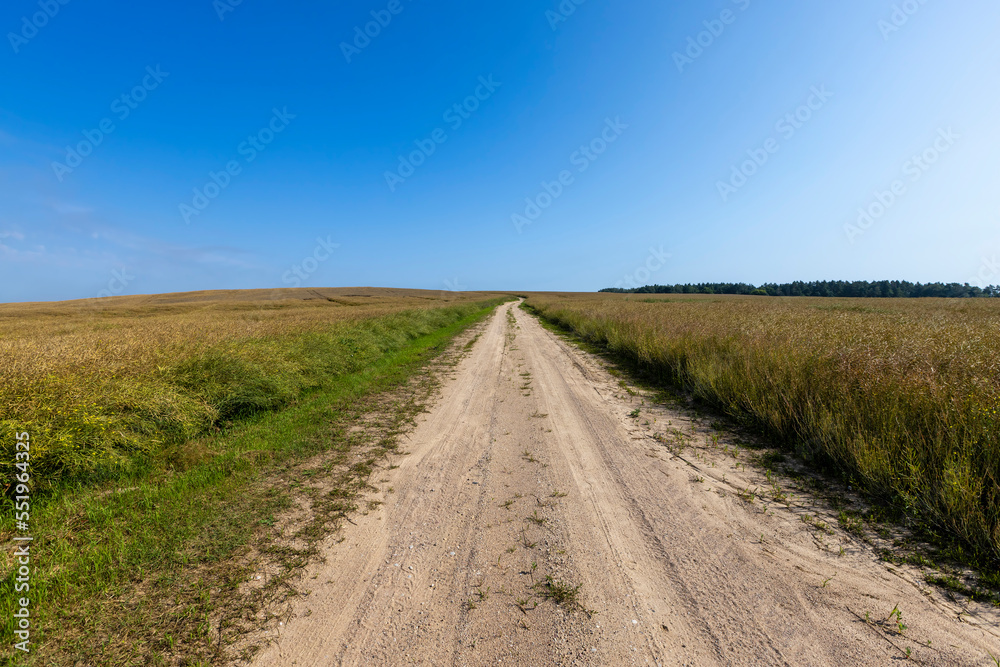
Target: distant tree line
<point>857,288</point>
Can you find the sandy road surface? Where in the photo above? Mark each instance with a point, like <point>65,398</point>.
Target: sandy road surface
<point>530,466</point>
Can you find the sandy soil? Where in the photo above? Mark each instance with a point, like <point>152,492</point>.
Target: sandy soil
<point>530,467</point>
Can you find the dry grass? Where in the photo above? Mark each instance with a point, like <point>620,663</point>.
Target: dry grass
<point>99,382</point>
<point>901,395</point>
<point>152,501</point>
<point>133,335</point>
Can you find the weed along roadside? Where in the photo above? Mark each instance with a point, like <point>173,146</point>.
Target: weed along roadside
<point>141,555</point>
<point>922,445</point>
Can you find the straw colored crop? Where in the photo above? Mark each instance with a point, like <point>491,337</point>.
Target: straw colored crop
<point>900,395</point>
<point>103,384</point>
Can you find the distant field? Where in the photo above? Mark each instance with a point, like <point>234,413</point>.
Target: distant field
<point>901,395</point>
<point>102,382</point>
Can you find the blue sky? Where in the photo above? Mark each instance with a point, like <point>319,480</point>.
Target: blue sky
<point>593,144</point>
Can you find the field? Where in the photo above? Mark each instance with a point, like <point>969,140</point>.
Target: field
<point>102,386</point>
<point>154,420</point>
<point>899,395</point>
<point>192,455</point>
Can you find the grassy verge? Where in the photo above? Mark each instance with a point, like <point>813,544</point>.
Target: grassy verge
<point>100,406</point>
<point>901,400</point>
<point>151,568</point>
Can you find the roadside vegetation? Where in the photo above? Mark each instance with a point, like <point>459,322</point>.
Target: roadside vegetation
<point>902,397</point>
<point>106,389</point>
<point>171,439</point>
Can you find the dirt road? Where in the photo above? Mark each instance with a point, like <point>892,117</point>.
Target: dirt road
<point>534,521</point>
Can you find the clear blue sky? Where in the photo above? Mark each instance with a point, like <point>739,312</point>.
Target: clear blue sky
<point>74,226</point>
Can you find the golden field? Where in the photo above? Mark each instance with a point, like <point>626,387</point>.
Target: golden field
<point>158,426</point>
<point>100,382</point>
<point>902,396</point>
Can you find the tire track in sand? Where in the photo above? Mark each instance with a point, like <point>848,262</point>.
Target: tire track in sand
<point>528,468</point>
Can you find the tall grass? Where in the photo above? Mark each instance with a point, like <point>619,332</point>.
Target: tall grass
<point>149,397</point>
<point>902,396</point>
<point>105,388</point>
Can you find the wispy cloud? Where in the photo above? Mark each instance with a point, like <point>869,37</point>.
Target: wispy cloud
<point>21,254</point>
<point>229,256</point>
<point>70,209</point>
<point>88,245</point>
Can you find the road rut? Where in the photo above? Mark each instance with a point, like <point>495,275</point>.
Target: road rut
<point>529,481</point>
